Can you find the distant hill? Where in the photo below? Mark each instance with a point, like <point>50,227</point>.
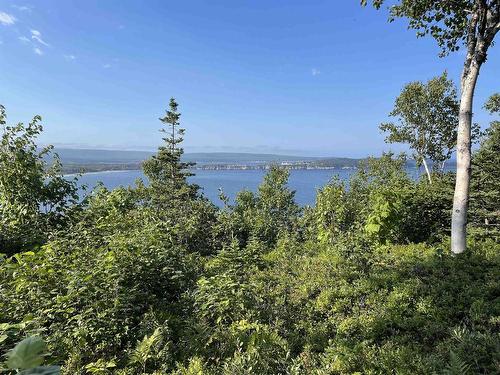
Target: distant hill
<point>238,158</point>
<point>93,160</point>
<point>90,156</point>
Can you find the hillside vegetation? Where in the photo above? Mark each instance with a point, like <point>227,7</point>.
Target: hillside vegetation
<point>155,279</point>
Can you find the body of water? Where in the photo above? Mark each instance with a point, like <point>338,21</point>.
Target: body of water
<point>304,182</point>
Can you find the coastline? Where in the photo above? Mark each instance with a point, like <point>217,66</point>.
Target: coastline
<point>212,168</point>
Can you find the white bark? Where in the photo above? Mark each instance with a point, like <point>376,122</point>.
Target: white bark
<point>424,162</point>
<point>483,26</point>
<point>461,197</point>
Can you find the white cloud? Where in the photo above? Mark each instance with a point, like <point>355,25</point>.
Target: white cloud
<point>7,19</point>
<point>38,51</point>
<point>70,57</point>
<point>315,72</point>
<point>22,8</point>
<point>24,39</point>
<point>106,66</point>
<point>37,35</point>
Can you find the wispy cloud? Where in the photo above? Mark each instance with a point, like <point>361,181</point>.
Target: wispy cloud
<point>106,66</point>
<point>23,8</point>
<point>38,51</point>
<point>24,39</point>
<point>69,57</point>
<point>37,35</point>
<point>7,19</point>
<point>315,72</point>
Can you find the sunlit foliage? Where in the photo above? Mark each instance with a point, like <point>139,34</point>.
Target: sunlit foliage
<point>360,283</point>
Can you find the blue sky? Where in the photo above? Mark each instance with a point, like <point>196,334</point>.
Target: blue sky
<point>285,76</point>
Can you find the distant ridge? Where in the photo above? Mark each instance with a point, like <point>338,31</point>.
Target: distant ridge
<point>84,156</point>
<point>92,160</point>
<point>90,156</point>
<point>95,160</point>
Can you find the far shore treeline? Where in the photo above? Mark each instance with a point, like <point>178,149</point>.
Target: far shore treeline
<point>91,160</point>
<point>95,160</point>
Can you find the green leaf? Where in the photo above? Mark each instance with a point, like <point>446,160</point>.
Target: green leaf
<point>26,354</point>
<point>42,370</point>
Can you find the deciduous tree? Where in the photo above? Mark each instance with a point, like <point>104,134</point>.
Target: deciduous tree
<point>34,196</point>
<point>427,117</point>
<point>472,24</point>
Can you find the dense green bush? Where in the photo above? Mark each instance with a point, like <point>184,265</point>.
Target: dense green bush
<point>263,216</point>
<point>386,302</point>
<point>382,201</point>
<point>107,285</point>
<point>35,199</point>
<point>150,280</point>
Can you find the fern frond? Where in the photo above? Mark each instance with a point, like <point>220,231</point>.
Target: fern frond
<point>457,366</point>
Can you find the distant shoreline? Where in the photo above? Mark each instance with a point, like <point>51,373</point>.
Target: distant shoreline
<point>99,172</point>
<point>87,170</point>
<point>98,161</point>
<point>82,171</point>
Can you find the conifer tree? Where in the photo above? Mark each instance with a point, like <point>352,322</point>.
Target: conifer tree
<point>485,197</point>
<point>166,172</point>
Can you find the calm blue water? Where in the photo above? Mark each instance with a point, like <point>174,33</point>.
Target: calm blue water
<point>304,182</point>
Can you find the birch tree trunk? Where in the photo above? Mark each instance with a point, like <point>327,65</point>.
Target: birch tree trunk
<point>461,196</point>
<point>482,28</point>
<point>424,162</point>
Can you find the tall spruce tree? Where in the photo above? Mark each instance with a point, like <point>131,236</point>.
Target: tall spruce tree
<point>166,172</point>
<point>485,195</point>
